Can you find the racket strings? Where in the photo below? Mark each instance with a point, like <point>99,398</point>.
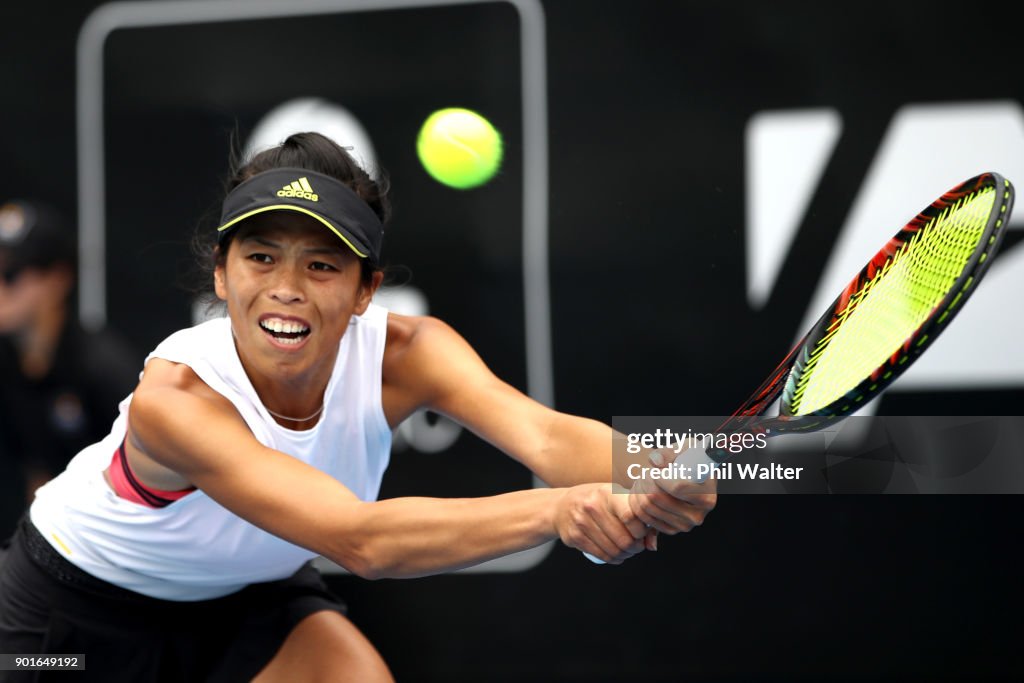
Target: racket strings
<point>882,316</point>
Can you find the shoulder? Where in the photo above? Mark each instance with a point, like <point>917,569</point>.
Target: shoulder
<point>421,357</point>
<point>403,330</point>
<point>165,373</point>
<point>163,377</point>
<point>170,393</point>
<point>411,338</point>
<point>428,358</point>
<point>181,426</point>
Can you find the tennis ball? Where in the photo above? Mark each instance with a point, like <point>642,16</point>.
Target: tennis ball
<point>459,148</point>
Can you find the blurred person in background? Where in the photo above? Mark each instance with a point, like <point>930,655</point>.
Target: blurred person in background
<point>61,384</point>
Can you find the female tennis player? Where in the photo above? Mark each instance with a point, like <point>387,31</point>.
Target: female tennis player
<point>177,548</point>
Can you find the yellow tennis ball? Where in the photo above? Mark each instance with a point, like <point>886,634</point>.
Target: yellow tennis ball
<point>459,148</point>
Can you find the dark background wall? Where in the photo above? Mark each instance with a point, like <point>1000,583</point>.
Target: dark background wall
<point>648,104</point>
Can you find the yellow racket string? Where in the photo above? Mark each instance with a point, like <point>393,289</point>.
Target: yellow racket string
<point>883,314</point>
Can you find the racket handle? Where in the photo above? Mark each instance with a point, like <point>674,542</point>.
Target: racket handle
<point>691,458</point>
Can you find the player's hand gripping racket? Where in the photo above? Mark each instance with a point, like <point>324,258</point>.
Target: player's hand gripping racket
<point>888,315</point>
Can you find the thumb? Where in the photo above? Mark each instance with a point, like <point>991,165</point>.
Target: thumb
<point>651,540</point>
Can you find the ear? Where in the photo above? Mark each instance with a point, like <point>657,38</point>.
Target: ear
<point>220,282</point>
<point>366,292</point>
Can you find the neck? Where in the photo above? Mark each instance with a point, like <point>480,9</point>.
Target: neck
<point>312,417</point>
<point>295,411</point>
<point>295,399</point>
<point>292,406</point>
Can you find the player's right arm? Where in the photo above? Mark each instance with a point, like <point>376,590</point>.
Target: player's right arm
<point>181,432</point>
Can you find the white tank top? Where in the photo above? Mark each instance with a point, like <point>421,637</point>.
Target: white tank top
<point>194,549</point>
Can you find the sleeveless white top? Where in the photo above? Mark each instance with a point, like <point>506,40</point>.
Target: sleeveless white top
<point>194,549</point>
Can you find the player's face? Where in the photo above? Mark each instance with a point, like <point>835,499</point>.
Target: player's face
<point>291,287</point>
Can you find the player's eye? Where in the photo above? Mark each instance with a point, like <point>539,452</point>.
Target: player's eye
<point>260,258</point>
<point>321,266</point>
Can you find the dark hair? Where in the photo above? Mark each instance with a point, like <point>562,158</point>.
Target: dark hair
<point>311,151</point>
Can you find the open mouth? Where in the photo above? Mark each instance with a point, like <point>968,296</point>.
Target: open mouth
<point>285,331</point>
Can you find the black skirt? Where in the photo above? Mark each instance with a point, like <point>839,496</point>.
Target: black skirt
<point>50,606</point>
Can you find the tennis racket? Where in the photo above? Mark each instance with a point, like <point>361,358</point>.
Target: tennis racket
<point>883,320</point>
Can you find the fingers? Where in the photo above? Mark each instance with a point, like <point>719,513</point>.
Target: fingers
<point>703,496</point>
<point>591,522</point>
<point>684,488</point>
<point>622,510</point>
<point>616,526</point>
<point>651,540</point>
<point>667,513</point>
<point>612,551</point>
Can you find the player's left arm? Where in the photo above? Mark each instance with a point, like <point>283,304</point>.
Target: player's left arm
<point>434,367</point>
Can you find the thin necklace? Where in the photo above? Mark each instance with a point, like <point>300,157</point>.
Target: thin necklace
<point>296,419</point>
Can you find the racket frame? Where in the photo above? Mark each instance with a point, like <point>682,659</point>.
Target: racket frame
<point>783,380</point>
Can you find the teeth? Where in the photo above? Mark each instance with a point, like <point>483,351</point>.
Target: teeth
<point>283,326</point>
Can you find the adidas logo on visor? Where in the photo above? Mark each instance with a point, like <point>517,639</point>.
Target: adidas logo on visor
<point>299,188</point>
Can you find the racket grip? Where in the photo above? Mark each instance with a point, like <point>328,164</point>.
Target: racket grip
<point>690,458</point>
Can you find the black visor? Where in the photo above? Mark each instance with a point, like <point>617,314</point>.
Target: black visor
<point>319,196</point>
